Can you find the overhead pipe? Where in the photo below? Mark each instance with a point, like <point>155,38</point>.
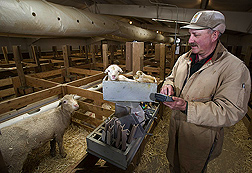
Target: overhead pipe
<point>40,18</point>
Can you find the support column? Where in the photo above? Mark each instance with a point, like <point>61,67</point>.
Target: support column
<point>17,57</point>
<point>5,53</point>
<point>129,56</point>
<point>81,50</point>
<point>23,89</point>
<point>147,49</point>
<point>134,56</point>
<point>93,56</point>
<point>157,52</point>
<point>137,56</point>
<point>173,49</point>
<point>162,61</point>
<point>67,60</point>
<point>55,52</point>
<point>86,52</point>
<point>35,56</point>
<point>122,52</point>
<point>105,56</point>
<point>112,53</point>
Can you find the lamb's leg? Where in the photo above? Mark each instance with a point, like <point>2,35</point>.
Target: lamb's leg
<point>59,140</point>
<point>53,147</point>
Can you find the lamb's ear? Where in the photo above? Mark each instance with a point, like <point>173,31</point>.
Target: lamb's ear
<point>106,71</point>
<point>120,70</point>
<point>60,103</point>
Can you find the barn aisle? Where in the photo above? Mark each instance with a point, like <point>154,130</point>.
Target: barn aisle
<point>236,155</point>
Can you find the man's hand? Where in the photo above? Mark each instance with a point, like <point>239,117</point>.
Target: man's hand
<point>177,104</point>
<point>167,90</point>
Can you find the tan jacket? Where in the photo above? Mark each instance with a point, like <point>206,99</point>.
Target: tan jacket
<point>217,96</point>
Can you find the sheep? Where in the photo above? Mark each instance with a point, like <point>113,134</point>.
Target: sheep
<point>114,71</point>
<point>20,138</point>
<point>141,77</point>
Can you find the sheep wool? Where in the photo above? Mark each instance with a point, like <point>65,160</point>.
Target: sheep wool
<point>17,140</point>
<point>141,77</point>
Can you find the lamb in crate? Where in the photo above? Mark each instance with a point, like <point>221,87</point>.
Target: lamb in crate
<point>129,118</point>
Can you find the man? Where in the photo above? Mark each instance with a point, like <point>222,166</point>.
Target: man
<point>210,89</point>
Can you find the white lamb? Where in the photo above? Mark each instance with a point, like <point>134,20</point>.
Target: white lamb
<point>114,71</point>
<point>17,140</point>
<point>144,78</point>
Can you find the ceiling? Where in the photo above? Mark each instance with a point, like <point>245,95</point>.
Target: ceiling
<point>222,5</point>
<point>166,28</point>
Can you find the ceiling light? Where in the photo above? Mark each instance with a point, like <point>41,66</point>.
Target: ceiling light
<point>130,22</point>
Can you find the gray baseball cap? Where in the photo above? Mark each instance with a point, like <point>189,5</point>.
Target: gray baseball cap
<point>207,19</point>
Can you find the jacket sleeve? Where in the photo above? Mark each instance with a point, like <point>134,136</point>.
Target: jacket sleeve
<point>228,105</point>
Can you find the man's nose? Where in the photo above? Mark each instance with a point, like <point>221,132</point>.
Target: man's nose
<point>190,39</point>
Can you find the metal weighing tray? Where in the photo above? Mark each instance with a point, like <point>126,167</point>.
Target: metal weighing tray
<point>111,154</point>
<point>128,91</point>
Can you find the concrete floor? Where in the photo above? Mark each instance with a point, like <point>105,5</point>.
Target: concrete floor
<point>236,155</point>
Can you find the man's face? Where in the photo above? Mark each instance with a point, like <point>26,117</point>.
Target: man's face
<point>200,40</point>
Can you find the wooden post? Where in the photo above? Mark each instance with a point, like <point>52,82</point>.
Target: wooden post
<point>112,53</point>
<point>129,56</point>
<point>5,53</point>
<point>36,57</point>
<point>157,52</point>
<point>20,71</point>
<point>93,55</point>
<point>137,56</point>
<point>39,51</point>
<point>248,56</point>
<point>67,60</point>
<point>86,51</point>
<point>55,52</point>
<point>162,61</point>
<point>96,49</point>
<point>147,49</point>
<point>122,53</point>
<point>172,55</point>
<point>81,50</point>
<point>105,56</point>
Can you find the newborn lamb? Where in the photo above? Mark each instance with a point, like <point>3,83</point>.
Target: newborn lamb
<point>114,71</point>
<point>141,77</point>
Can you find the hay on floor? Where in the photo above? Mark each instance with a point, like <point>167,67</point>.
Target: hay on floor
<point>75,145</point>
<point>236,154</point>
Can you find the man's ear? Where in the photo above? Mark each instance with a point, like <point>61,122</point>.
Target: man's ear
<point>215,35</point>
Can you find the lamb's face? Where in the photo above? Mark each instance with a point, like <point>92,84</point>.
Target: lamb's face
<point>139,73</point>
<point>69,103</point>
<point>113,72</point>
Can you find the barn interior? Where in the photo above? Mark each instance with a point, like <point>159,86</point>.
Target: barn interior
<point>50,48</point>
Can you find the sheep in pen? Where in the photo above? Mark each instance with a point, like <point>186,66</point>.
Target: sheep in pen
<point>17,140</point>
